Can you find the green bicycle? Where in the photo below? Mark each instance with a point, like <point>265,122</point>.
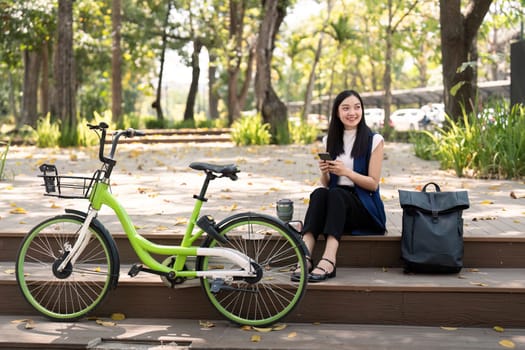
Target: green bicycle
<point>67,264</point>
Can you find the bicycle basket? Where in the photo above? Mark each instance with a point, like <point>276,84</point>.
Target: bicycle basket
<point>66,186</point>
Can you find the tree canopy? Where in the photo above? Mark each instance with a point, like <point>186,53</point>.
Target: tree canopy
<point>364,45</point>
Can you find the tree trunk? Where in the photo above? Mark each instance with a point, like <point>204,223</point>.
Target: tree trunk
<point>64,68</point>
<point>387,77</point>
<point>194,86</point>
<point>213,96</point>
<point>311,80</point>
<point>44,82</point>
<point>387,84</point>
<point>273,110</point>
<point>116,63</point>
<point>157,104</point>
<point>243,95</point>
<point>458,34</point>
<point>237,10</point>
<point>32,61</point>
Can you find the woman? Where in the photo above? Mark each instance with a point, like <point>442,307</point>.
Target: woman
<point>349,201</point>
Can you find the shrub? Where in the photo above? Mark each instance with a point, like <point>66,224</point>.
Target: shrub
<point>250,130</point>
<point>424,145</point>
<point>48,133</point>
<point>303,133</point>
<point>489,144</point>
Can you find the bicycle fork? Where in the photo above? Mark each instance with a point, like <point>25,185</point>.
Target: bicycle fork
<point>71,254</point>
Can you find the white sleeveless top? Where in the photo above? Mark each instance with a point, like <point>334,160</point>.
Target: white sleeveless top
<point>348,161</point>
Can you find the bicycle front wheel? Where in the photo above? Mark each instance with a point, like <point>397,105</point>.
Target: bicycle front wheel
<point>77,289</point>
<point>265,299</point>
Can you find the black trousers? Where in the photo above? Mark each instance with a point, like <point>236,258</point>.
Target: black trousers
<point>336,211</point>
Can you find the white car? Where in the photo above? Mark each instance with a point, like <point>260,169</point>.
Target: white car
<point>375,117</point>
<point>406,119</point>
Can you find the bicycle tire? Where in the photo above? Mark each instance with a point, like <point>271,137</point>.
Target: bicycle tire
<point>78,289</point>
<point>277,250</point>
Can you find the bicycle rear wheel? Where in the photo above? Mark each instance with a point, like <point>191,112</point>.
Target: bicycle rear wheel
<point>277,251</point>
<point>71,293</point>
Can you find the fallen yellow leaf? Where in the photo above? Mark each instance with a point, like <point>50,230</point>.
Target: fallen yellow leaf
<point>19,321</point>
<point>181,221</point>
<point>498,329</point>
<point>262,330</point>
<point>105,323</point>
<point>255,338</point>
<point>292,335</point>
<point>117,316</point>
<point>29,323</point>
<point>246,328</point>
<point>206,324</point>
<point>10,271</point>
<point>279,327</point>
<point>487,201</point>
<point>481,284</point>
<point>449,328</point>
<point>18,210</point>
<point>507,344</point>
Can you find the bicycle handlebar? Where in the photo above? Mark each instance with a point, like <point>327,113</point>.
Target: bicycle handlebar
<point>128,133</point>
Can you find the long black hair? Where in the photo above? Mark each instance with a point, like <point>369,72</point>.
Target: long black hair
<point>336,129</point>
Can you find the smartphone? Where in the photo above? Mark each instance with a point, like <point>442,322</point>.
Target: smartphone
<point>325,156</point>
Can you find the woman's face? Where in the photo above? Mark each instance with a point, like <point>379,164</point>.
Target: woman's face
<point>350,112</point>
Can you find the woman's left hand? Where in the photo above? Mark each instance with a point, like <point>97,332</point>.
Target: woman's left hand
<point>338,168</point>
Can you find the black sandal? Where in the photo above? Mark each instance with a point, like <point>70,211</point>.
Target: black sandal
<point>296,275</point>
<point>319,277</point>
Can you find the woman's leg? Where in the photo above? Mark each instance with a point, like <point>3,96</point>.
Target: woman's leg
<point>313,224</point>
<point>330,253</point>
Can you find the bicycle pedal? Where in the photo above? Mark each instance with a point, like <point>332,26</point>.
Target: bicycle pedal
<point>207,224</point>
<point>134,270</point>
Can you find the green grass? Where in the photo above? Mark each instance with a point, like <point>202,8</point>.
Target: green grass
<point>488,145</point>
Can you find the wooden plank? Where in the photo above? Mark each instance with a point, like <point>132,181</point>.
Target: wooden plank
<point>366,251</point>
<point>484,297</point>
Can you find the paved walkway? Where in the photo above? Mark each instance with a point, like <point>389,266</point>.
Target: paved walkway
<point>190,334</point>
<point>156,185</point>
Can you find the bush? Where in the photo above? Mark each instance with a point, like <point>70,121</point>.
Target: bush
<point>48,133</point>
<point>250,130</point>
<point>303,133</point>
<point>85,136</point>
<point>486,145</point>
<point>424,145</point>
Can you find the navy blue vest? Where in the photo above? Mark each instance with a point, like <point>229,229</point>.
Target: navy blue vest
<point>371,199</point>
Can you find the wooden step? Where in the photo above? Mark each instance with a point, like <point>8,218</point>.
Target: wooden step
<point>363,251</point>
<point>482,297</point>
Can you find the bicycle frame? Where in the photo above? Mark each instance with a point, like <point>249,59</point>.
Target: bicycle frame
<point>143,247</point>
